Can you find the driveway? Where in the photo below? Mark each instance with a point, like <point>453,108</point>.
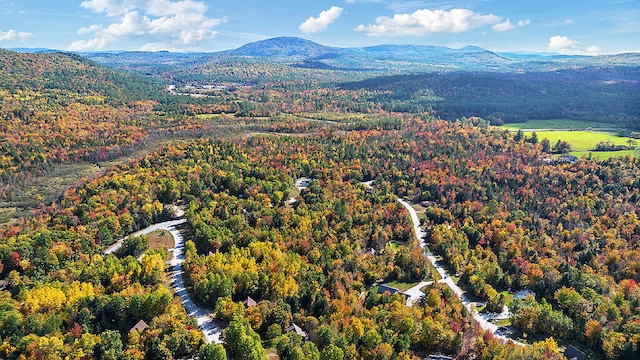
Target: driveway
<point>446,279</point>
<point>203,317</point>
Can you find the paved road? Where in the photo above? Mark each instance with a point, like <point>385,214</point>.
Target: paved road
<point>415,294</point>
<point>202,316</point>
<point>159,226</point>
<point>446,279</point>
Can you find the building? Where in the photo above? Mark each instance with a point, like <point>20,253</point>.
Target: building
<point>572,353</point>
<point>522,294</point>
<point>384,289</point>
<point>439,357</point>
<point>298,330</point>
<point>249,302</point>
<point>140,326</point>
<point>303,183</point>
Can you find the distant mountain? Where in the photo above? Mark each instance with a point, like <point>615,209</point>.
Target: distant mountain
<point>284,48</point>
<point>150,63</point>
<point>303,53</point>
<point>32,50</point>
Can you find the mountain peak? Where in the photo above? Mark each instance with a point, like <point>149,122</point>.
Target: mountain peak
<point>471,48</point>
<point>279,47</point>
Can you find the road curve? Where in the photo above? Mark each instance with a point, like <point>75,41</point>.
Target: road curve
<point>202,316</point>
<point>159,226</point>
<point>446,279</point>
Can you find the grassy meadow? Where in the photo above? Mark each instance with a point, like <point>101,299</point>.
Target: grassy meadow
<point>582,135</point>
<point>557,124</point>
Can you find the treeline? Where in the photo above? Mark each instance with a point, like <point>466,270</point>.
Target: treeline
<point>581,94</point>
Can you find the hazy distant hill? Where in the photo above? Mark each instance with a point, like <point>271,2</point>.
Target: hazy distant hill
<point>285,48</point>
<point>404,58</point>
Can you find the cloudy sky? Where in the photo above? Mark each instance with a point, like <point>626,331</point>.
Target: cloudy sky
<point>563,26</point>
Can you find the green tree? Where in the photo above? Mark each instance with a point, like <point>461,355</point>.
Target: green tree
<point>519,136</point>
<point>242,341</point>
<point>212,352</point>
<point>110,346</point>
<point>546,145</point>
<point>332,352</point>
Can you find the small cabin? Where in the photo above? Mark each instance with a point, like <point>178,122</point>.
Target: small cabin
<point>140,326</point>
<point>386,288</point>
<point>439,357</point>
<point>572,353</point>
<point>383,289</point>
<point>303,183</point>
<point>298,330</point>
<point>522,294</point>
<point>249,302</point>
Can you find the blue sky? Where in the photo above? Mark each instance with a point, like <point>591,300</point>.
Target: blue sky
<point>563,26</point>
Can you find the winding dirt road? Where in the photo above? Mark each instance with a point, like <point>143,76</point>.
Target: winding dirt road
<point>203,317</point>
<point>446,279</point>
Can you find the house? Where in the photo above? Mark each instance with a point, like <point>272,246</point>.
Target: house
<point>384,288</point>
<point>572,353</point>
<point>562,159</point>
<point>140,326</point>
<point>249,302</point>
<point>298,330</point>
<point>567,159</point>
<point>427,203</point>
<point>303,183</point>
<point>522,294</point>
<point>439,357</point>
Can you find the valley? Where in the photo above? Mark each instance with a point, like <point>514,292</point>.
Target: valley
<point>298,169</point>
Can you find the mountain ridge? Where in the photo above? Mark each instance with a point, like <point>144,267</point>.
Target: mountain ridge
<point>404,57</point>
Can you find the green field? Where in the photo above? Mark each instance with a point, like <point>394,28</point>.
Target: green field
<point>583,142</point>
<point>577,133</point>
<point>557,124</point>
<point>580,140</point>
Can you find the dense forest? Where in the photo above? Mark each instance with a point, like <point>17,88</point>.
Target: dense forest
<point>311,259</point>
<point>62,109</point>
<point>581,94</point>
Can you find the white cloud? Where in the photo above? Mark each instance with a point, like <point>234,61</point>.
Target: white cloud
<point>189,37</point>
<point>424,22</point>
<point>314,25</point>
<point>93,44</point>
<point>132,24</point>
<point>593,50</point>
<point>504,26</point>
<point>89,29</point>
<point>111,7</point>
<point>161,24</point>
<point>568,21</point>
<point>12,34</point>
<point>563,44</point>
<point>167,8</point>
<point>508,25</point>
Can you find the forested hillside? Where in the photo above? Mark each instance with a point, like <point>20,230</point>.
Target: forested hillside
<point>289,179</point>
<point>500,217</point>
<point>308,263</point>
<point>582,94</point>
<point>63,109</point>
